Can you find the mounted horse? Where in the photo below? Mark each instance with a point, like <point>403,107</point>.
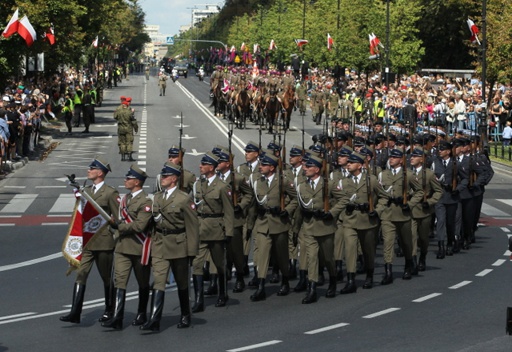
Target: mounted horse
<point>243,108</point>
<point>219,100</point>
<point>272,109</point>
<point>288,101</point>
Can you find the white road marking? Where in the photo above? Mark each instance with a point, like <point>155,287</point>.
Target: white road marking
<point>507,253</point>
<point>327,328</point>
<point>459,285</point>
<point>492,211</point>
<point>7,224</point>
<point>258,345</point>
<point>15,187</point>
<point>382,312</point>
<point>31,262</point>
<point>9,216</point>
<point>19,203</point>
<point>64,204</point>
<point>54,223</point>
<point>499,262</point>
<point>427,297</point>
<point>17,315</point>
<point>143,162</point>
<point>505,229</point>
<point>142,156</point>
<point>484,272</point>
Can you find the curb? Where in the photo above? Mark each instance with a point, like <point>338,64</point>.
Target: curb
<point>43,144</point>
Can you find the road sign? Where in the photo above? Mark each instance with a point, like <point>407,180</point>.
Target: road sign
<point>170,41</point>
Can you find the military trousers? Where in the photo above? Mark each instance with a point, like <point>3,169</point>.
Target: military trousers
<point>368,240</point>
<point>420,235</point>
<point>468,212</point>
<point>339,241</point>
<point>445,226</point>
<point>319,251</point>
<point>390,229</point>
<point>125,142</point>
<point>123,265</point>
<point>161,268</point>
<point>217,251</point>
<point>104,262</point>
<point>275,245</point>
<point>235,249</point>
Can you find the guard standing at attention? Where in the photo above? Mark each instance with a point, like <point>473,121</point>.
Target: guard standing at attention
<point>132,247</point>
<point>126,125</point>
<point>100,248</point>
<point>174,244</point>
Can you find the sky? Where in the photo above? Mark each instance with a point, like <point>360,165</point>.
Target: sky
<point>171,14</point>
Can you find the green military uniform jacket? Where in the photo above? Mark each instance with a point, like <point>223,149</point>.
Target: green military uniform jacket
<point>268,197</point>
<point>244,196</point>
<point>139,210</point>
<point>126,122</point>
<point>107,199</point>
<point>393,185</point>
<point>358,195</point>
<point>215,209</point>
<point>188,181</point>
<point>176,232</point>
<point>311,205</point>
<point>433,191</point>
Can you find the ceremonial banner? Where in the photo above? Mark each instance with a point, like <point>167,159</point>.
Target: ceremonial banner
<point>143,238</point>
<point>85,223</point>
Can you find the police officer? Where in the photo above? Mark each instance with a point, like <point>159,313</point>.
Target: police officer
<point>174,243</point>
<point>100,248</point>
<point>318,220</point>
<point>126,126</point>
<point>272,224</point>
<point>132,247</point>
<point>212,198</point>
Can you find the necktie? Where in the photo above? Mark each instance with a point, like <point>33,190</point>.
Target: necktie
<point>394,172</point>
<point>268,182</point>
<point>222,177</point>
<point>356,180</point>
<point>312,185</point>
<point>167,194</point>
<point>250,166</point>
<point>445,162</point>
<point>294,172</point>
<point>94,189</point>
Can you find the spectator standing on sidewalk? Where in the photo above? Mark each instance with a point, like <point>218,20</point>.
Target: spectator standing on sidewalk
<point>507,134</point>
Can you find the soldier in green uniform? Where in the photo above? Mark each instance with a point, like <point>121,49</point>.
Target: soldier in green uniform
<point>396,218</point>
<point>318,104</point>
<point>422,212</point>
<point>272,223</point>
<point>318,221</point>
<point>126,126</point>
<point>363,198</point>
<point>174,243</point>
<point>187,177</point>
<point>302,96</point>
<point>212,198</point>
<point>132,247</point>
<point>100,248</point>
<point>332,103</point>
<point>162,83</point>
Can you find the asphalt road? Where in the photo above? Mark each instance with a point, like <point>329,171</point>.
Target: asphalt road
<point>458,304</point>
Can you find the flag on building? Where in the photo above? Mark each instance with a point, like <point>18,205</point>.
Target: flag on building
<point>95,42</point>
<point>26,31</point>
<point>272,45</point>
<point>12,26</point>
<point>474,31</point>
<point>330,42</point>
<point>301,42</point>
<point>50,35</point>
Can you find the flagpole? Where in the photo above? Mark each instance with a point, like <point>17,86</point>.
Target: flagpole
<point>483,120</point>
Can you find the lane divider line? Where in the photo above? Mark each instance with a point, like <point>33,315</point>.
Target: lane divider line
<point>382,312</point>
<point>459,285</point>
<point>327,328</point>
<point>427,297</point>
<point>258,345</point>
<point>484,272</point>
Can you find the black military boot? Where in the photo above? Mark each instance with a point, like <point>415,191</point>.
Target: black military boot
<point>360,264</point>
<point>311,296</point>
<point>293,269</point>
<point>260,294</point>
<point>156,312</point>
<point>407,270</point>
<point>285,287</point>
<point>414,265</point>
<point>254,281</point>
<point>198,294</point>
<point>223,297</point>
<point>206,271</point>
<point>456,246</point>
<point>185,309</point>
<point>116,322</point>
<point>274,279</point>
<point>141,317</point>
<point>321,277</point>
<point>449,249</point>
<point>339,270</point>
<point>302,285</point>
<point>212,289</point>
<point>331,290</point>
<point>246,266</point>
<point>368,282</point>
<point>351,286</point>
<point>76,305</point>
<point>239,284</point>
<point>441,251</point>
<point>388,275</point>
<point>130,158</point>
<point>422,265</point>
<point>109,304</point>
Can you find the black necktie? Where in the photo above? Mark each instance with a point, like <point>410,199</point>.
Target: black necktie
<point>445,162</point>
<point>356,180</point>
<point>94,189</point>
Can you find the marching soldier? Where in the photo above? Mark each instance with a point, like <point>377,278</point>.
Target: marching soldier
<point>396,218</point>
<point>318,200</point>
<point>362,199</point>
<point>332,103</point>
<point>317,104</point>
<point>302,96</point>
<point>100,248</point>
<point>126,126</point>
<point>132,247</point>
<point>162,83</point>
<point>174,243</point>
<point>422,212</point>
<point>188,177</point>
<point>272,223</point>
<point>87,108</point>
<point>212,198</point>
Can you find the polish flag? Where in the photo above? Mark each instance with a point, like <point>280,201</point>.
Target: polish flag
<point>26,31</point>
<point>301,42</point>
<point>330,42</point>
<point>374,44</point>
<point>95,42</point>
<point>255,48</point>
<point>12,26</point>
<point>50,35</point>
<point>242,47</point>
<point>474,31</point>
<point>272,45</point>
<point>233,49</point>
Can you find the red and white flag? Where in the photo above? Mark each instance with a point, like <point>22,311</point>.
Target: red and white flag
<point>474,31</point>
<point>50,35</point>
<point>242,47</point>
<point>272,45</point>
<point>12,26</point>
<point>85,223</point>
<point>233,49</point>
<point>374,44</point>
<point>26,31</point>
<point>143,238</point>
<point>301,42</point>
<point>255,48</point>
<point>330,42</point>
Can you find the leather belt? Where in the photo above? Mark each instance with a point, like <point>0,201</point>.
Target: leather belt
<point>169,232</point>
<point>204,216</point>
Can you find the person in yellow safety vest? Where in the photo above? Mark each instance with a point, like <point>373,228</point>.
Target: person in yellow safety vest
<point>358,107</point>
<point>77,106</point>
<point>378,107</point>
